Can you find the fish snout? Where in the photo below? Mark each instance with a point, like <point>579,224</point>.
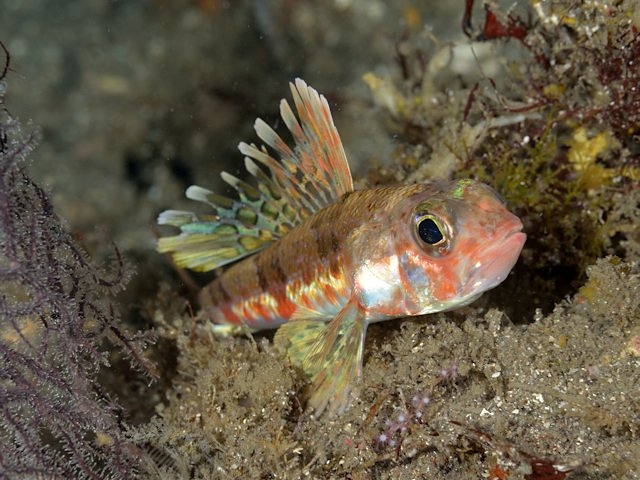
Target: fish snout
<point>493,262</point>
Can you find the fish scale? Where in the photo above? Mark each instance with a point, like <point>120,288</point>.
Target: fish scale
<point>325,261</point>
<point>264,291</point>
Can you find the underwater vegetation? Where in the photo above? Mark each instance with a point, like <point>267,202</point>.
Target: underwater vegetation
<point>57,324</point>
<point>576,153</point>
<point>462,397</point>
<point>537,381</point>
<point>478,393</point>
<point>556,131</point>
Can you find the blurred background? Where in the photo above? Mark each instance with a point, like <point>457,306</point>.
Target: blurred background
<point>136,100</point>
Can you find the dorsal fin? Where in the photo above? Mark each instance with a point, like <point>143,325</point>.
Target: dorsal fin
<point>305,179</point>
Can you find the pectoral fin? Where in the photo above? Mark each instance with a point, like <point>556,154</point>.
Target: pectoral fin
<point>330,353</point>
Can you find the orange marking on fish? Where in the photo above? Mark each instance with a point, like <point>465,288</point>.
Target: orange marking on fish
<point>327,260</point>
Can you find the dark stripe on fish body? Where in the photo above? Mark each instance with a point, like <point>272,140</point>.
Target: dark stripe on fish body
<point>322,246</point>
<point>328,245</point>
<point>323,226</point>
<point>278,274</point>
<point>270,272</point>
<point>335,242</point>
<point>336,260</point>
<point>263,278</point>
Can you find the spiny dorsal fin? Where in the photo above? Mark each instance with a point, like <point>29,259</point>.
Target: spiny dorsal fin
<point>305,179</point>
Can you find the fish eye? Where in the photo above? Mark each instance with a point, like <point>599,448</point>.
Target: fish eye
<point>428,230</point>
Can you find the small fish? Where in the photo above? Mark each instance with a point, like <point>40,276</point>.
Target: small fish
<point>326,261</point>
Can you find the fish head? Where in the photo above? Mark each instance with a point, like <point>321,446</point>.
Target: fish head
<point>453,242</point>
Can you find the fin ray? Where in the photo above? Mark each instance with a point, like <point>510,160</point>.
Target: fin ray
<point>308,176</point>
<point>330,354</point>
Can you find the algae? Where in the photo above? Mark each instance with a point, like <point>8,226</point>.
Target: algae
<point>538,379</point>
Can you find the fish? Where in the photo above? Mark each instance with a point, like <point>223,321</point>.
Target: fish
<point>321,261</point>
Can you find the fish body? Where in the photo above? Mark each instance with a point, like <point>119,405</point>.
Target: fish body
<point>324,261</point>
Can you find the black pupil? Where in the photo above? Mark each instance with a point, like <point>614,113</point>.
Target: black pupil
<point>429,232</point>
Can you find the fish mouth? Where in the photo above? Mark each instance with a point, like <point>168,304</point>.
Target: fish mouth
<point>496,262</point>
